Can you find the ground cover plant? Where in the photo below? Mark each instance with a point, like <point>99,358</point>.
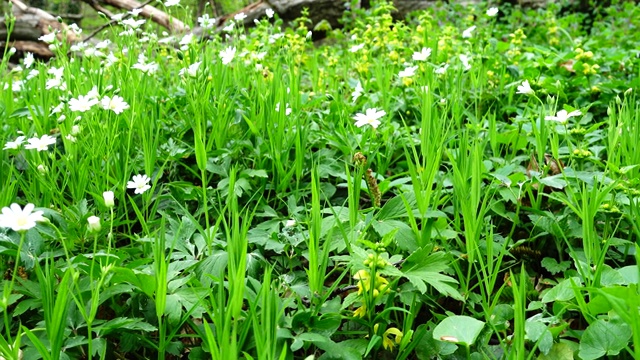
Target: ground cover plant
<point>462,183</point>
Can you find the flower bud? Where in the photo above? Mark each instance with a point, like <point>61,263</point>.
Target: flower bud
<point>108,199</point>
<point>94,223</point>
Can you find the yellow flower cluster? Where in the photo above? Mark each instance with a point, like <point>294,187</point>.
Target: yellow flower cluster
<point>581,54</point>
<point>582,153</point>
<point>590,69</point>
<point>379,285</point>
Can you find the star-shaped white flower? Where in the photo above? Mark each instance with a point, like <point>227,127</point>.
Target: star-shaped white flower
<point>422,55</point>
<point>492,11</point>
<point>370,117</point>
<point>227,55</point>
<point>140,183</point>
<point>563,116</point>
<point>19,219</point>
<point>40,143</point>
<point>525,88</point>
<point>116,104</point>
<point>408,72</point>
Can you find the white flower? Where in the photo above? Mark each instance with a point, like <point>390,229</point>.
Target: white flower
<point>206,22</point>
<point>422,55</point>
<point>19,219</point>
<point>465,61</point>
<point>56,72</point>
<point>370,117</point>
<point>93,93</point>
<point>442,69</point>
<point>16,85</point>
<point>228,28</point>
<point>269,13</point>
<point>169,3</point>
<point>118,17</point>
<point>468,33</point>
<point>492,11</point>
<point>135,12</point>
<point>142,65</point>
<point>94,224</point>
<point>116,104</point>
<point>108,199</point>
<point>562,116</point>
<point>290,223</point>
<point>103,44</point>
<point>40,143</point>
<point>33,73</point>
<point>75,28</point>
<point>356,48</point>
<point>525,88</point>
<point>140,183</point>
<point>42,169</point>
<point>14,144</point>
<point>186,40</point>
<point>133,23</point>
<point>48,38</point>
<point>240,16</point>
<point>227,55</point>
<point>408,72</point>
<point>192,70</point>
<point>309,34</point>
<point>287,111</point>
<point>28,60</point>
<point>82,103</point>
<point>357,92</point>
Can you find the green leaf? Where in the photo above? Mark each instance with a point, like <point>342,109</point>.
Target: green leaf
<point>119,323</point>
<point>559,351</point>
<point>604,338</point>
<point>562,292</point>
<point>255,173</point>
<point>396,207</point>
<point>554,181</point>
<point>553,266</point>
<point>458,329</point>
<point>423,267</point>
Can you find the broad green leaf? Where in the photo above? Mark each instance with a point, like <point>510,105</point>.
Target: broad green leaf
<point>562,292</point>
<point>537,332</point>
<point>458,329</point>
<point>555,181</point>
<point>396,207</point>
<point>629,274</point>
<point>604,338</point>
<point>559,351</point>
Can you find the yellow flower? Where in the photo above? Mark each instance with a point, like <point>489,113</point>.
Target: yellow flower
<point>389,344</point>
<point>360,312</point>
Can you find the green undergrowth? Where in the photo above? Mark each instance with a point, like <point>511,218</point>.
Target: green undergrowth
<point>459,184</point>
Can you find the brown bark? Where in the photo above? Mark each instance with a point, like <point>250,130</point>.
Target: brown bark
<point>31,23</point>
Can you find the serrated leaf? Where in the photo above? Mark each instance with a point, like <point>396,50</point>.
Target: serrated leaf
<point>423,267</point>
<point>553,266</point>
<point>119,323</point>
